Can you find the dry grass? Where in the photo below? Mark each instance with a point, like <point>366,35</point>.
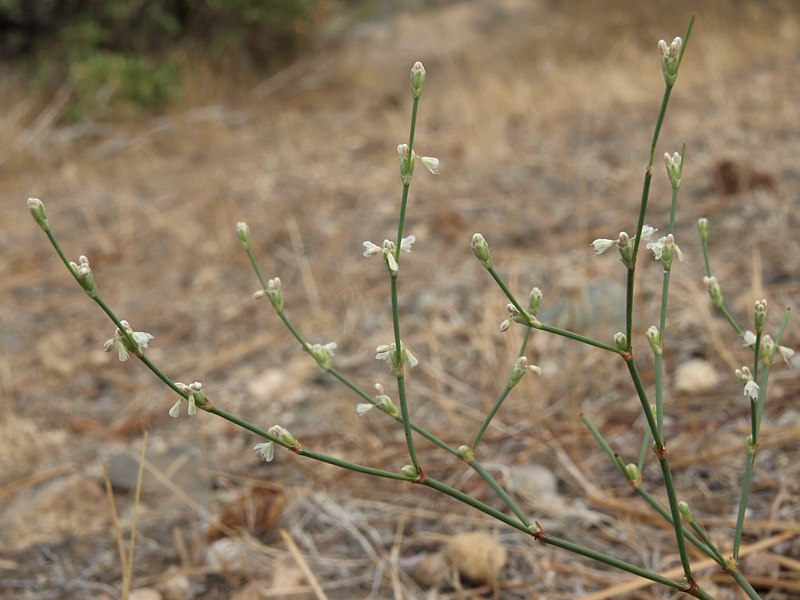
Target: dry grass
<point>541,116</point>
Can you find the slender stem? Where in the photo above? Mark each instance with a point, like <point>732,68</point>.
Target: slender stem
<point>552,540</point>
<point>534,323</point>
<point>256,269</point>
<point>745,585</point>
<point>351,466</point>
<point>707,548</point>
<point>500,492</point>
<point>420,430</point>
<point>743,500</point>
<point>648,176</point>
<point>721,308</point>
<point>642,395</point>
<point>490,416</point>
<point>677,524</point>
<point>399,373</point>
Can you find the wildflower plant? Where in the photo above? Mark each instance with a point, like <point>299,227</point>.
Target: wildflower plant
<point>521,313</point>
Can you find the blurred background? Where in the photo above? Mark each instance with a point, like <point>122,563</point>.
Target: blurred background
<point>150,128</point>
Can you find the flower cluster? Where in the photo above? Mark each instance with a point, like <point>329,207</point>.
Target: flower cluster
<point>194,397</point>
<point>388,251</point>
<point>388,352</point>
<point>267,449</point>
<point>750,386</point>
<point>382,401</point>
<point>322,353</point>
<point>131,341</point>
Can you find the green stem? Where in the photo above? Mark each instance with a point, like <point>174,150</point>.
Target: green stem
<point>490,416</point>
<point>399,373</point>
<point>344,464</point>
<point>552,540</point>
<point>744,584</point>
<point>500,492</point>
<point>648,176</point>
<point>533,322</point>
<point>743,500</point>
<point>707,548</point>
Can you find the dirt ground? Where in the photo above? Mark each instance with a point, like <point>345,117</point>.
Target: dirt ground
<point>541,115</point>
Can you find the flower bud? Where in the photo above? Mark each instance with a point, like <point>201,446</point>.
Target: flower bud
<point>274,293</point>
<point>481,249</point>
<point>654,339</point>
<point>466,453</point>
<point>418,76</point>
<point>410,471</point>
<point>534,301</point>
<point>286,438</point>
<point>83,273</point>
<point>632,472</point>
<point>714,291</point>
<point>685,511</point>
<point>702,227</point>
<point>674,164</point>
<point>38,213</point>
<point>621,341</point>
<point>406,163</point>
<point>760,315</point>
<point>243,231</point>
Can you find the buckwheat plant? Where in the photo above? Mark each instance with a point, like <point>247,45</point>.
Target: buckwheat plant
<point>399,358</point>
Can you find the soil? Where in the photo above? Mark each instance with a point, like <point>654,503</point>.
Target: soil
<point>541,115</point>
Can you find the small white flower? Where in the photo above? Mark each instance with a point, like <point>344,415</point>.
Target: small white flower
<point>407,242</point>
<point>391,261</point>
<point>430,163</point>
<point>648,231</point>
<point>387,250</point>
<point>363,408</point>
<point>657,248</point>
<point>786,354</point>
<point>371,249</point>
<point>388,352</point>
<point>600,245</point>
<point>176,409</point>
<point>140,338</point>
<point>751,390</point>
<point>266,450</point>
<point>322,353</point>
<point>748,338</point>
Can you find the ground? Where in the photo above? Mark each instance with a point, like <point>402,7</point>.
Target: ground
<point>541,116</point>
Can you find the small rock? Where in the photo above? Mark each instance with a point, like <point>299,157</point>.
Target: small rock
<point>429,570</point>
<point>695,376</point>
<point>145,594</point>
<point>479,558</point>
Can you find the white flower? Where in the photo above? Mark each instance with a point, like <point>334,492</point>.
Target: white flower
<point>751,390</point>
<point>370,249</point>
<point>600,245</point>
<point>387,250</point>
<point>430,163</point>
<point>322,353</point>
<point>266,450</point>
<point>648,231</point>
<point>748,338</point>
<point>750,386</point>
<point>176,409</point>
<point>388,352</point>
<point>140,339</point>
<point>407,242</point>
<point>665,242</point>
<point>363,408</point>
<point>786,354</point>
